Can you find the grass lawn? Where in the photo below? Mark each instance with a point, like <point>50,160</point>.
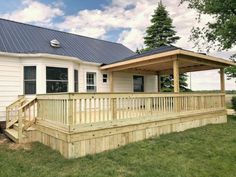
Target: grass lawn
<point>208,151</point>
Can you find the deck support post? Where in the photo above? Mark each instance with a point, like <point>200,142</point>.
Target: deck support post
<point>176,75</point>
<point>158,82</point>
<point>176,84</point>
<point>113,106</point>
<point>20,125</point>
<point>222,80</point>
<point>70,112</point>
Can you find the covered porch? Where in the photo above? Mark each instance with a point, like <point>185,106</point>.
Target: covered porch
<point>77,124</point>
<point>174,62</point>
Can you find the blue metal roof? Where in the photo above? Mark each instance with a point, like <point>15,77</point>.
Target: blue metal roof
<point>17,37</point>
<point>162,49</point>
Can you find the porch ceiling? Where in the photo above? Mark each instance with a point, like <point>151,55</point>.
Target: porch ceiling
<point>162,63</point>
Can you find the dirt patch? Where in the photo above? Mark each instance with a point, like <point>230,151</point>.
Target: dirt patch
<point>12,145</point>
<point>15,146</point>
<point>2,126</point>
<point>4,139</point>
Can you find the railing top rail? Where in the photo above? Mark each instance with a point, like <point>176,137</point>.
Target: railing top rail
<point>66,96</point>
<point>15,102</point>
<point>26,104</point>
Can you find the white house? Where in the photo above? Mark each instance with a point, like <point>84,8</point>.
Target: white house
<point>35,60</point>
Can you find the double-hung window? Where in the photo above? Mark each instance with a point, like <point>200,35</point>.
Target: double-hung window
<point>57,79</point>
<point>91,82</point>
<point>29,79</point>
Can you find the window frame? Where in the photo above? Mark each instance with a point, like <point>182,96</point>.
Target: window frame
<point>143,83</point>
<point>106,78</point>
<point>29,80</point>
<point>56,80</point>
<point>76,80</point>
<point>91,85</point>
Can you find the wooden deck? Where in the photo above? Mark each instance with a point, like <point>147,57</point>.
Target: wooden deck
<point>77,124</point>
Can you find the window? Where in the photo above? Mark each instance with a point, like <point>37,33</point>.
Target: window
<point>76,81</point>
<point>104,78</point>
<point>91,82</point>
<point>138,82</point>
<point>29,79</point>
<point>57,79</point>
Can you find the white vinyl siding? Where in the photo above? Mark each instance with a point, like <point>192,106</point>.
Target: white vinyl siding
<point>123,82</point>
<point>11,76</point>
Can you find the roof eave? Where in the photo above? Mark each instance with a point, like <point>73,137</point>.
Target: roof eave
<point>170,53</point>
<point>46,55</point>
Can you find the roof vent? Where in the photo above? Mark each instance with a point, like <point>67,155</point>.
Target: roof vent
<point>55,43</point>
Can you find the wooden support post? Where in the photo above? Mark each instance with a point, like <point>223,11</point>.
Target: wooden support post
<point>7,116</point>
<point>158,82</point>
<point>111,82</point>
<point>113,102</point>
<point>114,108</point>
<point>222,80</point>
<point>176,84</point>
<point>20,126</point>
<point>176,75</point>
<point>70,112</point>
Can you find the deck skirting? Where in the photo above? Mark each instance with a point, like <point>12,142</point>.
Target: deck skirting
<point>80,143</point>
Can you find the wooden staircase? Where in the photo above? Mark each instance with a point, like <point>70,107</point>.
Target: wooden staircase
<point>20,117</point>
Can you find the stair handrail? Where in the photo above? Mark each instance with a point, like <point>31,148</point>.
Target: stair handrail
<point>27,103</point>
<point>10,107</point>
<point>22,127</point>
<point>20,98</point>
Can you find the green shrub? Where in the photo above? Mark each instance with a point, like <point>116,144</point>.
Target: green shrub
<point>234,102</point>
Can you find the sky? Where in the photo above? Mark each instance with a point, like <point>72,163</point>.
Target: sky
<point>122,21</point>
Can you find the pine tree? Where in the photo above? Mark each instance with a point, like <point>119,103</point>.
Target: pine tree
<point>161,32</point>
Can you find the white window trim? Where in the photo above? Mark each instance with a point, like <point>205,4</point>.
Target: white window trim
<point>56,66</point>
<point>23,79</point>
<point>144,85</point>
<point>78,80</point>
<point>95,82</point>
<point>107,82</point>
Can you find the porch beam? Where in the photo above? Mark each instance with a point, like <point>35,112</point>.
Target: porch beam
<point>139,71</point>
<point>199,61</point>
<point>143,63</point>
<point>222,80</point>
<point>187,69</point>
<point>176,75</point>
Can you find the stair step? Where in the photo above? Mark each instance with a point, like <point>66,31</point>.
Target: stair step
<point>16,125</point>
<point>13,134</point>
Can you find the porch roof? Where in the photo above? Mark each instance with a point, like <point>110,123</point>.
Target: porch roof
<point>162,62</point>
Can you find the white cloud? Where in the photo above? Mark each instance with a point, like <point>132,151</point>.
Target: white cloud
<point>127,36</point>
<point>209,80</point>
<point>34,12</point>
<point>111,17</point>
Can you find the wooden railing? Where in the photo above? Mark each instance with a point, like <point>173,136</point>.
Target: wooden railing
<point>12,111</point>
<point>24,113</point>
<point>27,114</point>
<point>87,108</point>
